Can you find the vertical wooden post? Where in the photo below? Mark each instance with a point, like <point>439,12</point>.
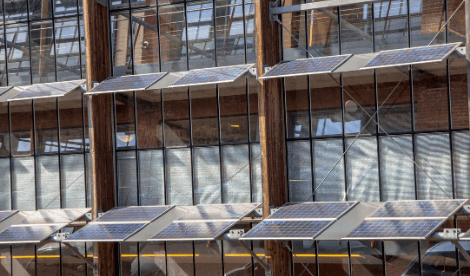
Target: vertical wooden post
<point>467,41</point>
<point>271,127</point>
<point>101,132</point>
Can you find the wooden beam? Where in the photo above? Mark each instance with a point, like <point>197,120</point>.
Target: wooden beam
<point>271,127</point>
<point>467,41</point>
<point>101,133</point>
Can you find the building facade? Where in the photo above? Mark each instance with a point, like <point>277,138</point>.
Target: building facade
<point>187,146</point>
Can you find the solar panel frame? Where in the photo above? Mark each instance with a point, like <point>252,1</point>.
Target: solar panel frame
<point>292,208</point>
<point>95,90</point>
<point>365,67</point>
<point>178,84</point>
<point>164,235</point>
<point>48,230</point>
<point>290,224</point>
<point>305,73</point>
<point>30,89</point>
<point>407,209</point>
<point>195,211</point>
<point>100,228</point>
<point>115,212</point>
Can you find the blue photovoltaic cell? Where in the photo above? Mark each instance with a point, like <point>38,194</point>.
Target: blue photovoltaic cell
<point>103,232</point>
<point>54,216</point>
<point>193,230</point>
<point>219,211</point>
<point>312,210</point>
<point>395,229</point>
<point>54,89</point>
<point>411,55</point>
<point>28,233</point>
<point>305,66</point>
<point>129,214</point>
<point>425,208</point>
<point>212,75</point>
<point>6,214</point>
<point>287,230</point>
<point>128,83</point>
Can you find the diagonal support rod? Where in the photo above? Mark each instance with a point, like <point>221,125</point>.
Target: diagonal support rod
<point>266,266</point>
<point>80,256</point>
<point>462,250</point>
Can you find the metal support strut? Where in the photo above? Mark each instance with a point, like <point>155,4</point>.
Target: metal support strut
<point>461,250</point>
<point>266,266</point>
<point>80,256</point>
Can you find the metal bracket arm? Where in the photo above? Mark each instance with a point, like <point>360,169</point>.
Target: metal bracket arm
<point>80,256</point>
<point>266,266</point>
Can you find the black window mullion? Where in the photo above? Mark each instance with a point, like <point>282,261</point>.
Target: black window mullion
<point>58,151</point>
<point>215,30</point>
<point>131,42</point>
<point>54,46</point>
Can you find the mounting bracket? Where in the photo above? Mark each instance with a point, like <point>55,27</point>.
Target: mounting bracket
<point>266,266</point>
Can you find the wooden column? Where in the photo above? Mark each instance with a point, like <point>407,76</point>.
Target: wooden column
<point>467,41</point>
<point>271,127</point>
<point>101,132</point>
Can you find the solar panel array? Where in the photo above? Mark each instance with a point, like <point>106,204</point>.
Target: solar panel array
<point>6,214</point>
<point>119,224</point>
<point>205,222</point>
<point>212,75</point>
<point>301,221</point>
<point>405,220</point>
<point>415,55</point>
<point>46,90</point>
<point>128,83</point>
<point>307,66</point>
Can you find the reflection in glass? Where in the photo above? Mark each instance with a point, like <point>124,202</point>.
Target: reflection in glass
<point>300,171</point>
<point>391,25</point>
<point>176,117</point>
<point>4,130</point>
<point>323,32</point>
<point>71,122</point>
<point>250,32</point>
<point>65,8</point>
<point>152,258</point>
<point>333,258</point>
<point>200,34</point>
<point>45,264</point>
<point>40,9</point>
<point>303,258</point>
<point>17,55</point>
<point>356,29</point>
<point>204,115</point>
<point>126,178</point>
<point>256,179</point>
<point>48,182</point>
<point>456,25</point>
<point>179,258</point>
<point>67,49</point>
<point>72,181</point>
<point>172,31</point>
<point>326,106</point>
<point>3,70</point>
<point>5,188</point>
<point>71,265</point>
<point>236,261</point>
<point>206,170</point>
<point>16,11</point>
<point>297,107</point>
<point>45,112</point>
<point>23,196</point>
<point>254,118</point>
<point>24,259</point>
<point>325,155</point>
<point>42,52</point>
<point>233,112</point>
<point>129,259</point>
<point>149,119</point>
<point>235,174</point>
<point>438,257</point>
<point>461,163</point>
<point>295,23</point>
<point>121,43</point>
<point>151,186</point>
<point>208,259</point>
<point>401,258</point>
<point>5,260</point>
<point>366,258</point>
<point>178,177</point>
<point>426,19</point>
<point>146,48</point>
<point>458,92</point>
<point>125,120</point>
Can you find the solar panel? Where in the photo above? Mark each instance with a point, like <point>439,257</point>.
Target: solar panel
<point>287,230</point>
<point>419,208</point>
<point>395,229</point>
<point>6,214</point>
<point>193,230</point>
<point>105,232</point>
<point>129,214</point>
<point>47,90</point>
<point>309,66</point>
<point>55,216</point>
<point>466,236</point>
<point>128,83</point>
<point>318,210</point>
<point>219,211</point>
<point>414,55</point>
<point>23,234</point>
<point>212,75</point>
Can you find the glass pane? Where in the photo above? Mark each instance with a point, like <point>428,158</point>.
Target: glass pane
<point>18,55</point>
<point>362,172</point>
<point>204,115</point>
<point>5,260</point>
<point>200,34</point>
<point>42,52</point>
<point>129,259</point>
<point>230,41</point>
<point>396,168</point>
<point>323,32</point>
<point>254,118</point>
<point>48,182</point>
<point>297,107</point>
<point>125,120</point>
<point>40,9</point>
<point>172,32</point>
<point>236,260</point>
<point>438,257</point>
<point>127,178</point>
<point>426,19</point>
<point>206,172</point>
<point>356,29</point>
<point>256,178</point>
<point>45,113</point>
<point>178,177</point>
<point>300,171</point>
<point>430,96</point>
<point>395,114</point>
<point>146,49</point>
<point>16,11</point>
<point>152,190</point>
<point>327,153</point>
<point>86,122</point>
<point>149,119</point>
<point>89,179</point>
<point>391,25</point>
<point>233,112</point>
<point>236,186</point>
<point>366,258</point>
<point>304,258</point>
<point>250,32</point>
<point>23,194</point>
<point>3,61</point>
<point>327,118</point>
<point>458,92</point>
<point>72,181</point>
<point>456,25</point>
<point>71,122</point>
<point>180,258</point>
<point>83,48</point>
<point>208,259</point>
<point>5,190</point>
<point>121,43</point>
<point>67,49</point>
<point>4,130</point>
<point>461,158</point>
<point>152,258</point>
<point>48,259</point>
<point>359,87</point>
<point>295,23</point>
<point>176,117</point>
<point>65,8</point>
<point>401,258</point>
<point>21,128</point>
<point>23,261</point>
<point>119,4</point>
<point>71,265</point>
<point>433,156</point>
<point>333,258</point>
